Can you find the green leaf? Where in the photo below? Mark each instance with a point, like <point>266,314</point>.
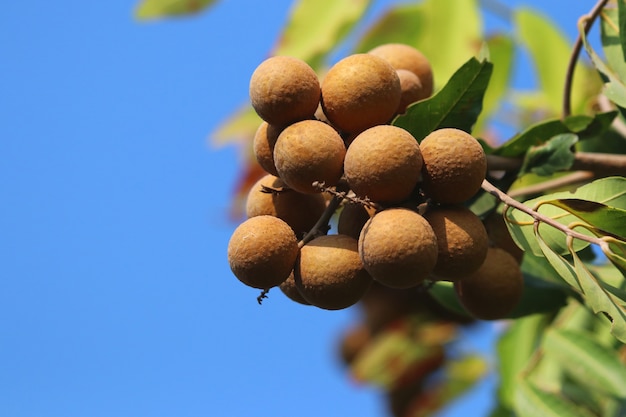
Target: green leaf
<point>621,7</point>
<point>584,126</point>
<point>605,219</point>
<point>549,50</point>
<point>538,297</point>
<point>514,349</point>
<point>443,292</point>
<point>240,126</point>
<point>531,401</point>
<point>609,191</point>
<point>565,270</point>
<point>600,300</point>
<point>554,155</point>
<point>154,9</point>
<point>589,363</point>
<point>611,36</point>
<point>458,104</point>
<point>316,27</point>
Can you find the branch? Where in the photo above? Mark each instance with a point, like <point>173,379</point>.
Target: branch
<point>571,66</point>
<point>602,164</point>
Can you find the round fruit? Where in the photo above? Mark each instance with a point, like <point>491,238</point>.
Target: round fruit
<point>298,210</point>
<point>352,219</point>
<point>412,90</point>
<point>383,163</point>
<point>402,56</point>
<point>462,241</point>
<point>454,165</point>
<point>288,287</point>
<point>262,251</point>
<point>494,290</point>
<point>284,90</point>
<point>353,342</point>
<point>309,151</point>
<point>263,146</point>
<point>500,236</point>
<point>398,248</point>
<point>329,273</point>
<point>359,92</point>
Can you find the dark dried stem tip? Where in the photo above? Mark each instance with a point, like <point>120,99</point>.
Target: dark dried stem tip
<point>261,296</point>
<point>272,190</point>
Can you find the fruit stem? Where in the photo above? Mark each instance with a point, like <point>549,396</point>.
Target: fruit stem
<point>321,227</point>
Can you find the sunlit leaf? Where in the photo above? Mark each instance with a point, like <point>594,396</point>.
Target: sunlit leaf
<point>605,219</point>
<point>554,155</point>
<point>621,7</point>
<point>153,9</point>
<point>531,401</point>
<point>589,363</point>
<point>316,27</point>
<point>241,126</point>
<point>458,104</point>
<point>611,39</point>
<point>443,292</point>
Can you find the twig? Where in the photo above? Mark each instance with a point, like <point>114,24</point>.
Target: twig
<point>569,179</point>
<point>571,65</point>
<point>322,223</point>
<point>599,163</point>
<point>618,124</point>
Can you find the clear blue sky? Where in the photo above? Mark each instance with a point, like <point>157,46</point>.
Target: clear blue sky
<point>115,294</point>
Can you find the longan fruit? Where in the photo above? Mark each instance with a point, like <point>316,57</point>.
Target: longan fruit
<point>398,248</point>
<point>352,219</point>
<point>309,151</point>
<point>500,236</point>
<point>454,167</point>
<point>284,90</point>
<point>412,90</point>
<point>402,56</point>
<point>263,146</point>
<point>353,342</point>
<point>360,91</point>
<point>329,273</point>
<point>298,210</point>
<point>461,239</point>
<point>495,289</point>
<point>262,251</point>
<point>383,163</point>
<point>288,287</point>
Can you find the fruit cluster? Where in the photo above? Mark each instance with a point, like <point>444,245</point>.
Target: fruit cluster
<point>329,146</point>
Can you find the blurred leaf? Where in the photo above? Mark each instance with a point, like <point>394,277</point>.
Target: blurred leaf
<point>316,27</point>
<point>241,126</point>
<point>443,292</point>
<point>514,349</point>
<point>621,7</point>
<point>538,297</point>
<point>457,105</point>
<point>607,220</point>
<point>531,401</point>
<point>589,363</point>
<point>609,191</point>
<point>549,50</point>
<point>404,23</point>
<point>611,37</point>
<point>554,155</point>
<point>153,9</point>
<point>584,126</point>
<point>501,50</point>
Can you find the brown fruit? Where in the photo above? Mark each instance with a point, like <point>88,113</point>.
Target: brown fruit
<point>329,273</point>
<point>352,219</point>
<point>398,248</point>
<point>284,90</point>
<point>359,92</point>
<point>462,241</point>
<point>309,151</point>
<point>494,289</point>
<point>402,56</point>
<point>383,163</point>
<point>298,210</point>
<point>454,165</point>
<point>412,90</point>
<point>501,237</point>
<point>288,287</point>
<point>262,251</point>
<point>353,342</point>
<point>263,146</point>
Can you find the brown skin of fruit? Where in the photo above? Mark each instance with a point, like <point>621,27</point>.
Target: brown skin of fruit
<point>359,92</point>
<point>402,56</point>
<point>501,237</point>
<point>383,163</point>
<point>329,273</point>
<point>284,90</point>
<point>263,146</point>
<point>309,151</point>
<point>288,287</point>
<point>412,89</point>
<point>462,241</point>
<point>398,248</point>
<point>352,219</point>
<point>262,251</point>
<point>353,342</point>
<point>454,167</point>
<point>298,210</point>
<point>495,289</point>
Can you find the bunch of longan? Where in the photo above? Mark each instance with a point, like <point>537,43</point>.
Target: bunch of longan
<point>402,221</point>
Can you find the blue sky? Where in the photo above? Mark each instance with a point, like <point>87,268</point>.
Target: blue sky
<point>115,294</point>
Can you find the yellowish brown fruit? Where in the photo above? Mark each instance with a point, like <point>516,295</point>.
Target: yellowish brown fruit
<point>461,240</point>
<point>284,90</point>
<point>412,90</point>
<point>262,251</point>
<point>352,218</point>
<point>359,92</point>
<point>398,248</point>
<point>495,289</point>
<point>309,151</point>
<point>263,146</point>
<point>454,167</point>
<point>329,273</point>
<point>288,287</point>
